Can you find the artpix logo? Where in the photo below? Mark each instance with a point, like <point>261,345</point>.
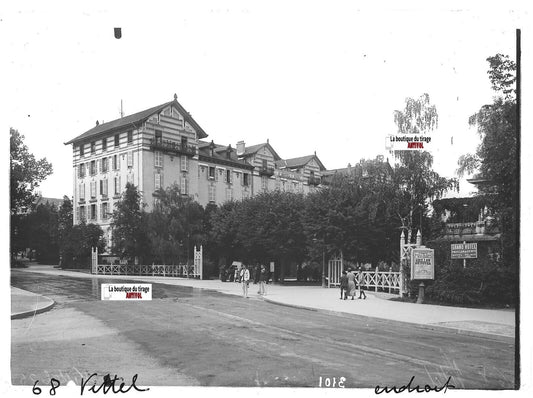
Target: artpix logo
<point>408,142</point>
<point>126,291</point>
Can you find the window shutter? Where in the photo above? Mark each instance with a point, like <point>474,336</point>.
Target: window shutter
<point>130,159</point>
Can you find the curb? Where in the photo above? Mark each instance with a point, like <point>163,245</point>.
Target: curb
<point>25,314</point>
<point>471,333</point>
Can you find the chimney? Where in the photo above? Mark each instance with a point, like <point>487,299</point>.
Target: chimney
<point>97,122</point>
<point>228,151</point>
<point>240,148</point>
<point>212,148</point>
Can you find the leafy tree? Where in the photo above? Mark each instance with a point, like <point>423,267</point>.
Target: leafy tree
<point>496,158</point>
<point>65,225</point>
<point>414,173</point>
<point>129,235</point>
<point>26,173</point>
<point>43,233</point>
<point>76,247</point>
<point>174,226</point>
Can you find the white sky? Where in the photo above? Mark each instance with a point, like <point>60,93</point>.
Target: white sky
<point>307,75</point>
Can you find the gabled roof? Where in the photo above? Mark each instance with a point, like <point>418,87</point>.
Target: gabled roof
<point>296,163</point>
<point>220,155</point>
<point>134,120</point>
<point>253,149</point>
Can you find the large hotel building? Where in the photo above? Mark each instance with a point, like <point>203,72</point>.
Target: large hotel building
<point>164,145</point>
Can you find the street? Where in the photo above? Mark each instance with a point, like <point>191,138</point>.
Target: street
<point>187,336</point>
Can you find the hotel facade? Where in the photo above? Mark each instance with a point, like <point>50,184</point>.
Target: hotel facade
<point>164,145</point>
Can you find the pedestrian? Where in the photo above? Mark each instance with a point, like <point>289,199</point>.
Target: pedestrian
<point>257,274</point>
<point>359,283</point>
<point>245,279</point>
<point>344,285</point>
<point>263,275</point>
<point>351,283</point>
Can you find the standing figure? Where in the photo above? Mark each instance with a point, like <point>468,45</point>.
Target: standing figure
<point>245,279</point>
<point>351,284</point>
<point>344,285</point>
<point>359,282</point>
<point>263,276</point>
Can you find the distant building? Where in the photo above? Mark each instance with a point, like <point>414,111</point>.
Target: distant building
<point>163,145</point>
<point>377,169</point>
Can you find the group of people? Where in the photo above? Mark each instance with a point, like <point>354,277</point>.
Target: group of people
<point>349,283</point>
<point>262,277</point>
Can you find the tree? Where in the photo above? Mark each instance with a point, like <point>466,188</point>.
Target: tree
<point>174,226</point>
<point>414,173</point>
<point>65,225</point>
<point>26,173</point>
<point>76,247</point>
<point>129,236</point>
<point>43,233</point>
<point>496,158</point>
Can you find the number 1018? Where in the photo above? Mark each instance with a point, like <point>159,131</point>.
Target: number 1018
<point>331,382</point>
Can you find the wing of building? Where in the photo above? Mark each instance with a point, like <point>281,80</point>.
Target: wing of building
<point>164,145</point>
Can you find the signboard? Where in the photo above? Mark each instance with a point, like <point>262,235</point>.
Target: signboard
<point>272,266</point>
<point>464,250</point>
<point>422,264</point>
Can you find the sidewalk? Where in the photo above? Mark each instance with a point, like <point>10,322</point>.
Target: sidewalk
<point>24,303</point>
<point>496,323</point>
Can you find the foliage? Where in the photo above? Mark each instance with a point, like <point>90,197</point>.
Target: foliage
<point>43,237</point>
<point>129,235</point>
<point>479,283</point>
<point>174,226</point>
<point>26,173</point>
<point>414,173</point>
<point>496,158</point>
<point>77,245</point>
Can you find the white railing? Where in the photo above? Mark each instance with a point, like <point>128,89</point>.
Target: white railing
<point>176,270</point>
<point>386,281</point>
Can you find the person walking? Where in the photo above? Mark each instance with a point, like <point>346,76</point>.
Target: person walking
<point>245,279</point>
<point>344,285</point>
<point>262,280</point>
<point>351,283</point>
<point>359,283</point>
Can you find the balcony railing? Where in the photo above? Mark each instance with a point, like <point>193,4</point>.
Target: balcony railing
<point>173,147</point>
<point>266,171</point>
<point>471,228</point>
<point>314,180</point>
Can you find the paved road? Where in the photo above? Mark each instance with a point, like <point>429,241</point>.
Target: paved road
<point>188,336</point>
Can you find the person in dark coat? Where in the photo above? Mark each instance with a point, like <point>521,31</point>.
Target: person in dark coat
<point>344,285</point>
<point>359,282</point>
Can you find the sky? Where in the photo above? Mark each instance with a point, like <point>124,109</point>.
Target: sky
<point>309,76</point>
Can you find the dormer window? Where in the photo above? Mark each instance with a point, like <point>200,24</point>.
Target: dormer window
<point>130,137</point>
<point>104,144</point>
<point>93,148</point>
<point>82,151</point>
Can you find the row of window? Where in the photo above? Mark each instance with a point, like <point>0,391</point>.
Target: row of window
<point>184,183</point>
<point>158,161</point>
<point>103,164</point>
<point>225,175</point>
<point>229,194</point>
<point>89,213</point>
<point>104,143</point>
<point>103,187</point>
